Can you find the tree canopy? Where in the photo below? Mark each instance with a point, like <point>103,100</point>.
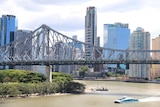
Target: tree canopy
<point>82,71</point>
<point>11,75</point>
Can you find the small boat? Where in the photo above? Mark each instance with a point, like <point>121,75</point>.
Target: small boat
<point>101,89</point>
<point>125,99</point>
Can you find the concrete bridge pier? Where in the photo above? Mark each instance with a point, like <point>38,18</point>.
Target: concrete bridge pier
<point>49,73</point>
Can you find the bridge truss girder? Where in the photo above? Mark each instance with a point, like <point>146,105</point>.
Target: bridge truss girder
<point>49,47</point>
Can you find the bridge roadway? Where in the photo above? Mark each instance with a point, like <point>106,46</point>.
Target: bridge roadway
<point>80,62</point>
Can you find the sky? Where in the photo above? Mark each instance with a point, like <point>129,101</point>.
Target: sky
<point>68,16</point>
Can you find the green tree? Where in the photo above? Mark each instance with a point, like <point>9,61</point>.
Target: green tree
<point>26,88</point>
<point>75,87</point>
<point>13,91</point>
<point>62,80</point>
<point>12,75</point>
<point>82,71</point>
<point>6,79</point>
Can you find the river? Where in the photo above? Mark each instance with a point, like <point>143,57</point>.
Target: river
<point>147,93</point>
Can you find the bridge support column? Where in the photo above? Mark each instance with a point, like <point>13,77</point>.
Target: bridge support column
<point>49,73</point>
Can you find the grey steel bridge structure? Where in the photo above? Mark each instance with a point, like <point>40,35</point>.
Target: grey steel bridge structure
<point>49,47</point>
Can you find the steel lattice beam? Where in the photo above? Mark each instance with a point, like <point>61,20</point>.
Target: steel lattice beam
<point>49,47</point>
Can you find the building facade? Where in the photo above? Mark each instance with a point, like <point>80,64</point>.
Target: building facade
<point>91,37</point>
<point>116,36</point>
<point>8,27</point>
<point>26,49</point>
<point>77,46</point>
<point>21,36</point>
<point>140,40</point>
<point>90,30</point>
<point>155,68</point>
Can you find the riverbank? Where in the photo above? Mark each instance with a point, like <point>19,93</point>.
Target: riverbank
<point>119,79</point>
<point>19,83</point>
<point>97,99</point>
<point>36,95</point>
<point>19,90</point>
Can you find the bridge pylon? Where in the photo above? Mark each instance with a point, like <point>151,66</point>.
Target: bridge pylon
<point>49,73</point>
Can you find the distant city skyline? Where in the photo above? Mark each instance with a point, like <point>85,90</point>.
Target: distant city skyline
<point>67,17</point>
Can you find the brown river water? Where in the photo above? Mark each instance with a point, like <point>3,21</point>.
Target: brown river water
<point>147,93</point>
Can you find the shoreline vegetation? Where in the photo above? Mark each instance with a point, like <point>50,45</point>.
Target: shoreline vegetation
<point>22,84</point>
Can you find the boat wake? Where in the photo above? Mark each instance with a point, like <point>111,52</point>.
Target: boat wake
<point>149,99</point>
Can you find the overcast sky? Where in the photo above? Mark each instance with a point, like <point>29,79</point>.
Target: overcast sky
<point>68,16</point>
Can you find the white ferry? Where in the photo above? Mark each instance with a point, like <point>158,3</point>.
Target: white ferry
<point>125,99</point>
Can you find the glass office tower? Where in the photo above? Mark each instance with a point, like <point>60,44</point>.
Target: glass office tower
<point>116,36</point>
<point>7,29</point>
<point>8,26</point>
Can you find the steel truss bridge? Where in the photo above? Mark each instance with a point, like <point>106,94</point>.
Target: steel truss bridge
<point>49,47</point>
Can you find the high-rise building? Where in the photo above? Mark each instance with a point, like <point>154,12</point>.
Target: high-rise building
<point>61,47</point>
<point>21,36</point>
<point>140,40</point>
<point>74,37</point>
<point>90,30</point>
<point>91,36</point>
<point>155,68</point>
<point>26,49</point>
<point>116,36</point>
<point>78,47</point>
<point>8,26</point>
